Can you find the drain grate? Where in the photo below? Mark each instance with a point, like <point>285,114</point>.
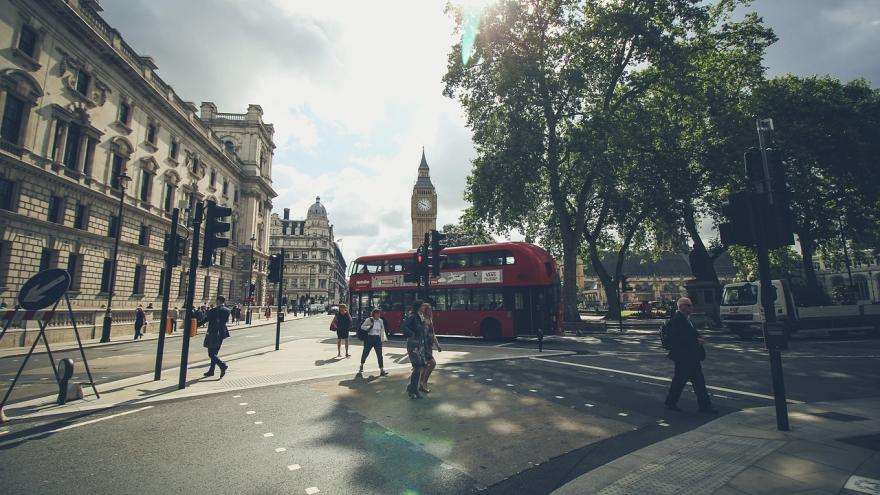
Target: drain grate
<point>839,416</point>
<point>870,442</point>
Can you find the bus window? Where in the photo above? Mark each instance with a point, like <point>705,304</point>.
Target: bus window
<point>488,258</point>
<point>519,301</point>
<point>440,298</point>
<point>380,299</point>
<point>396,301</point>
<point>374,267</point>
<point>409,297</point>
<point>395,266</point>
<point>457,261</point>
<point>509,259</point>
<point>458,299</point>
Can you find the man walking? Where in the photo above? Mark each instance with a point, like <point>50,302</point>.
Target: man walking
<point>686,351</point>
<point>216,318</point>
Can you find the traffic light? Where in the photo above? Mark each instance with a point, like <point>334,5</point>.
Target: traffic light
<point>624,284</point>
<point>214,226</point>
<point>436,247</point>
<point>175,253</point>
<point>275,268</point>
<point>739,230</point>
<point>415,273</point>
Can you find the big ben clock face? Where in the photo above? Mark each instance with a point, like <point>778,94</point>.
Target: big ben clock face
<point>424,204</point>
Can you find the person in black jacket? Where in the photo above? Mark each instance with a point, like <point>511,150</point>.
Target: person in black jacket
<point>686,351</point>
<point>216,318</point>
<point>415,332</point>
<point>140,319</point>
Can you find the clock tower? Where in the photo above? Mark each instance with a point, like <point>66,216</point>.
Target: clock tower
<point>423,206</point>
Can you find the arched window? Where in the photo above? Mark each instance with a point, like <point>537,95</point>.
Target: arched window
<point>19,92</point>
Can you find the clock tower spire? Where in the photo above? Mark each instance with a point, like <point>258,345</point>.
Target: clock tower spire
<point>423,206</point>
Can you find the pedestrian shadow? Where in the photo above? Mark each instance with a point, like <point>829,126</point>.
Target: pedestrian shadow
<point>322,362</point>
<point>358,381</point>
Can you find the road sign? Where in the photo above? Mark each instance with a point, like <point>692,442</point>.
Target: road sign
<point>44,289</point>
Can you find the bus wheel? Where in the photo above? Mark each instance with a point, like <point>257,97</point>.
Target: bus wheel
<point>490,329</point>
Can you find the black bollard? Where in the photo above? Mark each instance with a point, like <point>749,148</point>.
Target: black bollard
<point>66,370</point>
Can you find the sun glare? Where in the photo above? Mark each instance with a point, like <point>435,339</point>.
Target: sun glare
<point>473,10</point>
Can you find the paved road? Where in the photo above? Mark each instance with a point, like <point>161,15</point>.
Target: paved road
<point>325,441</point>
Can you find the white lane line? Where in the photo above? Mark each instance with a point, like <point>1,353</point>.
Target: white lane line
<point>663,378</point>
<point>560,397</point>
<point>280,449</point>
<point>267,435</point>
<point>622,414</point>
<point>312,490</point>
<point>3,432</point>
<point>236,396</point>
<point>251,412</point>
<point>258,422</point>
<point>242,403</point>
<point>589,405</point>
<point>293,467</point>
<point>532,390</point>
<point>509,384</point>
<point>75,425</point>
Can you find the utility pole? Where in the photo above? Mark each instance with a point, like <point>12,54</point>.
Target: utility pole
<point>190,294</point>
<point>172,259</point>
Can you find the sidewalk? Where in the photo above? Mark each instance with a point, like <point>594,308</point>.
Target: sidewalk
<point>833,447</point>
<point>153,334</point>
<point>296,361</point>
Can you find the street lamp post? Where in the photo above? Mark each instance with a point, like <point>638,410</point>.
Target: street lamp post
<point>250,281</point>
<point>108,315</point>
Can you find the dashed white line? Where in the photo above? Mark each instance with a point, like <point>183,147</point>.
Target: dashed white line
<point>258,422</point>
<point>560,397</point>
<point>532,390</point>
<point>509,384</point>
<point>312,490</point>
<point>293,467</point>
<point>251,412</point>
<point>242,403</point>
<point>236,396</point>
<point>267,435</point>
<point>389,433</point>
<point>488,379</point>
<point>280,449</point>
<point>622,414</point>
<point>589,405</point>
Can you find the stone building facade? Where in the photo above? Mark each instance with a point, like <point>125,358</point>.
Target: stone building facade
<point>81,112</point>
<point>314,268</point>
<point>863,270</point>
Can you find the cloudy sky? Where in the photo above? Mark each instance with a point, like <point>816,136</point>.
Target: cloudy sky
<point>354,87</point>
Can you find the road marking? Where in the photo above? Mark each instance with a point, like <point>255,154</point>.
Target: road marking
<point>622,414</point>
<point>75,425</point>
<point>532,390</point>
<point>589,405</point>
<point>663,378</point>
<point>258,422</point>
<point>389,433</point>
<point>312,490</point>
<point>293,467</point>
<point>3,432</point>
<point>560,397</point>
<point>242,403</point>
<point>509,384</point>
<point>488,379</point>
<point>236,396</point>
<point>280,449</point>
<point>251,412</point>
<point>267,435</point>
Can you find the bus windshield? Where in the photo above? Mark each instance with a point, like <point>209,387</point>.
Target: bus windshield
<point>743,295</point>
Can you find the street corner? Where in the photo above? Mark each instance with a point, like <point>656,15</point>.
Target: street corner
<point>487,432</point>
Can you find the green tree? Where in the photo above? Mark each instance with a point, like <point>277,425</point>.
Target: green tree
<point>541,89</point>
<point>467,232</point>
<point>828,134</point>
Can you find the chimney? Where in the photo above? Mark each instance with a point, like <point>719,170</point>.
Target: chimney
<point>287,213</point>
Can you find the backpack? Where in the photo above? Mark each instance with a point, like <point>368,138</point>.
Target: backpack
<point>664,335</point>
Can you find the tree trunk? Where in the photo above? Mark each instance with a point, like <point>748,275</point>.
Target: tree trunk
<point>814,293</point>
<point>699,254</point>
<point>608,284</point>
<point>569,280</point>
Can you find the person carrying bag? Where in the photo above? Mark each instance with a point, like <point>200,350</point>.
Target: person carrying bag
<point>373,328</point>
<point>415,332</point>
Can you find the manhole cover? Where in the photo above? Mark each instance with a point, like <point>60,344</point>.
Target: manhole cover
<point>870,442</point>
<point>863,485</point>
<point>840,416</point>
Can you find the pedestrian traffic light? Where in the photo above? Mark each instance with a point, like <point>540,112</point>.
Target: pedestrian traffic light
<point>414,274</point>
<point>175,251</point>
<point>436,247</point>
<point>739,230</point>
<point>275,268</point>
<point>624,284</point>
<point>214,227</point>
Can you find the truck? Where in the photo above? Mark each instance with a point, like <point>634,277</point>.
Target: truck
<point>742,313</point>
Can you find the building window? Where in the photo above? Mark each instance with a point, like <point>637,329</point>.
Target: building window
<point>169,197</point>
<point>105,276</point>
<point>56,209</point>
<point>222,258</point>
<point>13,118</point>
<point>48,259</point>
<point>146,182</point>
<point>124,112</point>
<point>137,287</point>
<point>7,190</point>
<point>27,42</point>
<point>161,282</point>
<point>74,268</point>
<point>174,149</point>
<point>213,178</point>
<point>220,286</point>
<point>116,169</point>
<point>152,131</point>
<point>235,196</point>
<point>83,79</point>
<point>5,248</point>
<point>113,227</point>
<point>144,236</point>
<point>206,288</point>
<point>225,187</point>
<point>81,217</point>
<point>72,146</point>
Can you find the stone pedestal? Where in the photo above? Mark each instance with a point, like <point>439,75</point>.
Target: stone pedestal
<point>706,297</point>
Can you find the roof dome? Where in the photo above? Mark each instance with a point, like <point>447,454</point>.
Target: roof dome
<point>317,209</point>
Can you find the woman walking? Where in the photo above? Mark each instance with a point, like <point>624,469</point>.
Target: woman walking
<point>342,325</point>
<point>430,343</point>
<point>375,329</point>
<point>140,319</point>
<point>414,329</point>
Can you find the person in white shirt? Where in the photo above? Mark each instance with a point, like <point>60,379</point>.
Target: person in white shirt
<point>375,327</point>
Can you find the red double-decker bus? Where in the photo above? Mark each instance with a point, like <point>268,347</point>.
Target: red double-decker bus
<point>497,291</point>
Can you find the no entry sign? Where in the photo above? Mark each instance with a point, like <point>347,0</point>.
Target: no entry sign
<point>44,289</point>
